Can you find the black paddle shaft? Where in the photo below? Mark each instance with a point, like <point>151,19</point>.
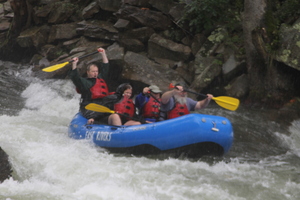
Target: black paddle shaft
<point>203,95</point>
<point>80,57</point>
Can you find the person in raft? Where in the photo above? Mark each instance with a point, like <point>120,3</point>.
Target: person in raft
<point>148,103</point>
<point>93,87</point>
<point>175,103</point>
<point>121,102</point>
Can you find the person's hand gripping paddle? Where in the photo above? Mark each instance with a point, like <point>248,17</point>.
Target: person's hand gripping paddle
<point>61,65</point>
<point>229,103</point>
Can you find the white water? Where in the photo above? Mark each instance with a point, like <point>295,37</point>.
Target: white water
<point>49,165</point>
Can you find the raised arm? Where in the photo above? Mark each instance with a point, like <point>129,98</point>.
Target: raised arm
<point>103,54</point>
<point>203,103</point>
<point>74,63</point>
<point>165,98</point>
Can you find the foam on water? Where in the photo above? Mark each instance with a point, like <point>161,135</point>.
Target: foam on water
<point>48,164</point>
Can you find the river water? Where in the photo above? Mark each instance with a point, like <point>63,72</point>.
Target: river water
<point>263,162</point>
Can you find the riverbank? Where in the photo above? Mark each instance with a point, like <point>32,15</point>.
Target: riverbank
<point>146,45</point>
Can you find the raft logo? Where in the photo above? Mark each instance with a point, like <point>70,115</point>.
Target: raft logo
<point>103,136</point>
<point>89,134</point>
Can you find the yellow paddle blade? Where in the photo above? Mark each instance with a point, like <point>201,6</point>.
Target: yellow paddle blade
<point>55,67</point>
<point>229,103</point>
<point>98,108</point>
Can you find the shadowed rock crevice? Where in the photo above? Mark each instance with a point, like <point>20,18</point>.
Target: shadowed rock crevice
<point>5,168</point>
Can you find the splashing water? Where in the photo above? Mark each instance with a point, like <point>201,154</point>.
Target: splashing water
<point>47,164</point>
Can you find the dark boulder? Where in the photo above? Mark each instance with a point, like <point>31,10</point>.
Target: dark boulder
<point>5,167</point>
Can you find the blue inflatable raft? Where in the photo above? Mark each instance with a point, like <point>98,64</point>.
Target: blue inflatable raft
<point>192,135</point>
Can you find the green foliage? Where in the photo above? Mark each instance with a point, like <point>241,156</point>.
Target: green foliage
<point>272,26</point>
<point>217,36</point>
<point>207,14</point>
<point>288,9</point>
<point>218,62</point>
<point>277,13</point>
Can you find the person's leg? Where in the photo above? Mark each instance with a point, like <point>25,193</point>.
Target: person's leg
<point>131,122</point>
<point>114,119</point>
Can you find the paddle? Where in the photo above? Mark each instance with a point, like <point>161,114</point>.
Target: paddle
<point>61,65</point>
<point>99,108</point>
<point>229,103</point>
<point>153,96</point>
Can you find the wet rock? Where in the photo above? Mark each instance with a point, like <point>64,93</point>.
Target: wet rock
<point>110,5</point>
<point>98,29</point>
<point>163,6</point>
<point>144,17</point>
<point>238,87</point>
<point>289,50</point>
<point>34,36</point>
<point>61,12</point>
<point>132,45</point>
<point>138,3</point>
<point>177,11</point>
<point>62,31</point>
<point>5,167</point>
<point>90,10</point>
<point>232,67</point>
<point>4,26</point>
<point>163,48</point>
<point>210,71</point>
<point>140,68</point>
<point>143,34</point>
<point>123,24</point>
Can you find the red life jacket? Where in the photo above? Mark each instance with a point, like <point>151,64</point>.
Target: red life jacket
<point>178,110</point>
<point>125,106</point>
<point>151,108</point>
<point>98,90</point>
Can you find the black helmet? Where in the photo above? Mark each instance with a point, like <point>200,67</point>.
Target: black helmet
<point>121,88</point>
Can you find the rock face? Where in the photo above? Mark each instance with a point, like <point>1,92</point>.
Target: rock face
<point>290,48</point>
<point>144,43</point>
<point>5,168</point>
<point>136,34</point>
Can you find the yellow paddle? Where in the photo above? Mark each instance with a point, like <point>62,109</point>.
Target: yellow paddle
<point>229,103</point>
<point>99,108</point>
<point>61,65</point>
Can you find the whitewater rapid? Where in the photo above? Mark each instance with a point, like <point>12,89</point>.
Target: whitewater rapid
<point>262,164</point>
